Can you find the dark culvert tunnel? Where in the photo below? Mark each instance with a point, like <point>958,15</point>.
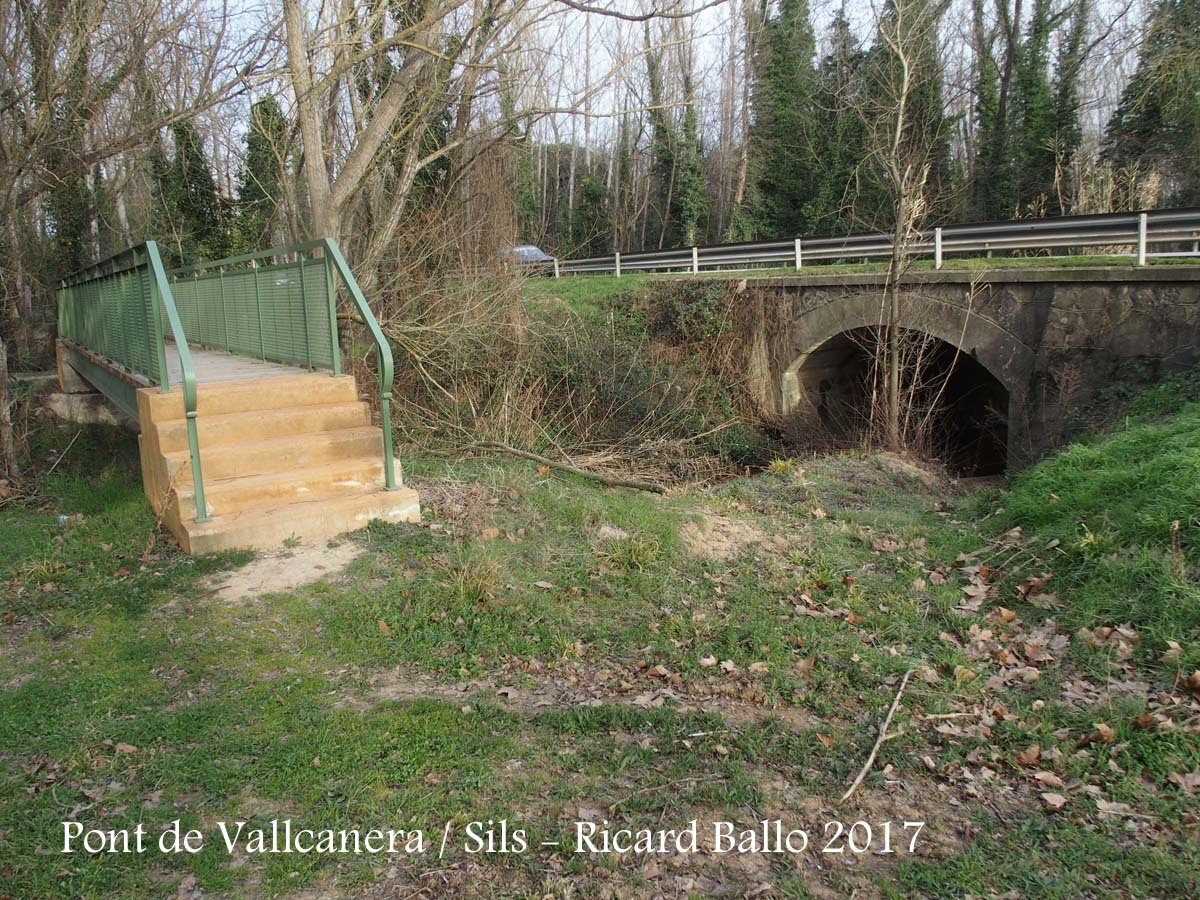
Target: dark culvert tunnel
<point>955,409</point>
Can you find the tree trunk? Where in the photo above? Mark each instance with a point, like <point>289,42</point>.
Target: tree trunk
<point>9,465</point>
<point>324,218</point>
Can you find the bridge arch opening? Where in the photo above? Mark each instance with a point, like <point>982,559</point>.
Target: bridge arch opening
<point>954,409</point>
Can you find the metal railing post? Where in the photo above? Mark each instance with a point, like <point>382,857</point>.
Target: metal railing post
<point>617,263</point>
<point>937,247</point>
<point>695,260</point>
<point>224,313</point>
<point>262,341</point>
<point>304,313</point>
<point>799,255</point>
<point>187,376</point>
<point>331,295</point>
<point>383,351</point>
<point>156,331</point>
<point>1141,240</point>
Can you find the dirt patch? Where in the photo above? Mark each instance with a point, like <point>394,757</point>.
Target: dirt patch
<point>725,538</point>
<point>528,686</point>
<point>950,825</point>
<point>283,571</point>
<point>453,877</point>
<point>465,506</point>
<point>946,812</point>
<point>892,470</point>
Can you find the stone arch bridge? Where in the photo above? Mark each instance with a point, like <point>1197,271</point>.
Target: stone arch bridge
<point>1033,349</point>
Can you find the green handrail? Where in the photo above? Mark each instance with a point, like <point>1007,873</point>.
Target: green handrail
<point>210,264</point>
<point>157,302</point>
<point>188,371</point>
<point>383,351</point>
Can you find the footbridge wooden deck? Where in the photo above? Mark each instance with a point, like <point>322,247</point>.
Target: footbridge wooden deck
<point>249,432</point>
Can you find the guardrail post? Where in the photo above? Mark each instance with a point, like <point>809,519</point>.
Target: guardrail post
<point>1141,243</point>
<point>556,272</point>
<point>617,263</point>
<point>224,313</point>
<point>695,260</point>
<point>799,255</point>
<point>937,247</point>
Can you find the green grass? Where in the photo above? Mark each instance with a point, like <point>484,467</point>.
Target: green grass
<point>456,673</point>
<point>1125,508</point>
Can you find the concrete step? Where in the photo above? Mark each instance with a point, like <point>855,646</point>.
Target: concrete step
<point>279,392</point>
<point>231,495</point>
<point>294,451</point>
<point>250,427</point>
<point>265,529</point>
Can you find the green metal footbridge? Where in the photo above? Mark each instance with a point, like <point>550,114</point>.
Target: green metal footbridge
<point>210,335</point>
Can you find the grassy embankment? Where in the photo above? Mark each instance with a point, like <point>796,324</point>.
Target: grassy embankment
<point>543,650</point>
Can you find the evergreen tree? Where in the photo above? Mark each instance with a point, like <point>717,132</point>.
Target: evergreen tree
<point>71,205</point>
<point>691,189</point>
<point>931,126</point>
<point>1071,58</point>
<point>889,92</point>
<point>71,210</point>
<point>781,154</point>
<point>662,151</point>
<point>988,190</point>
<point>589,228</point>
<point>260,189</point>
<point>840,130</point>
<point>1028,131</point>
<point>186,198</point>
<point>517,136</point>
<point>1034,155</point>
<point>1156,127</point>
<point>678,189</point>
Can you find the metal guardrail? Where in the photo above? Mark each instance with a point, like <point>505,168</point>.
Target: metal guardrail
<point>286,311</point>
<point>1139,230</point>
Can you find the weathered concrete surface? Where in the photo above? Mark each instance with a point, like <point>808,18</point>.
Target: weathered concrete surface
<point>283,457</point>
<point>1056,338</point>
<point>87,409</point>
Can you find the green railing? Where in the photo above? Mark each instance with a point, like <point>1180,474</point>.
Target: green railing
<point>383,352</point>
<point>281,305</point>
<point>116,309</point>
<point>278,305</point>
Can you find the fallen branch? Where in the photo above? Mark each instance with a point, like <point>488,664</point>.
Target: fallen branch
<point>882,736</point>
<point>611,480</point>
<point>62,455</point>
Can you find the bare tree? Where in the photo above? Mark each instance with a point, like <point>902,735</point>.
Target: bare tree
<point>902,149</point>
